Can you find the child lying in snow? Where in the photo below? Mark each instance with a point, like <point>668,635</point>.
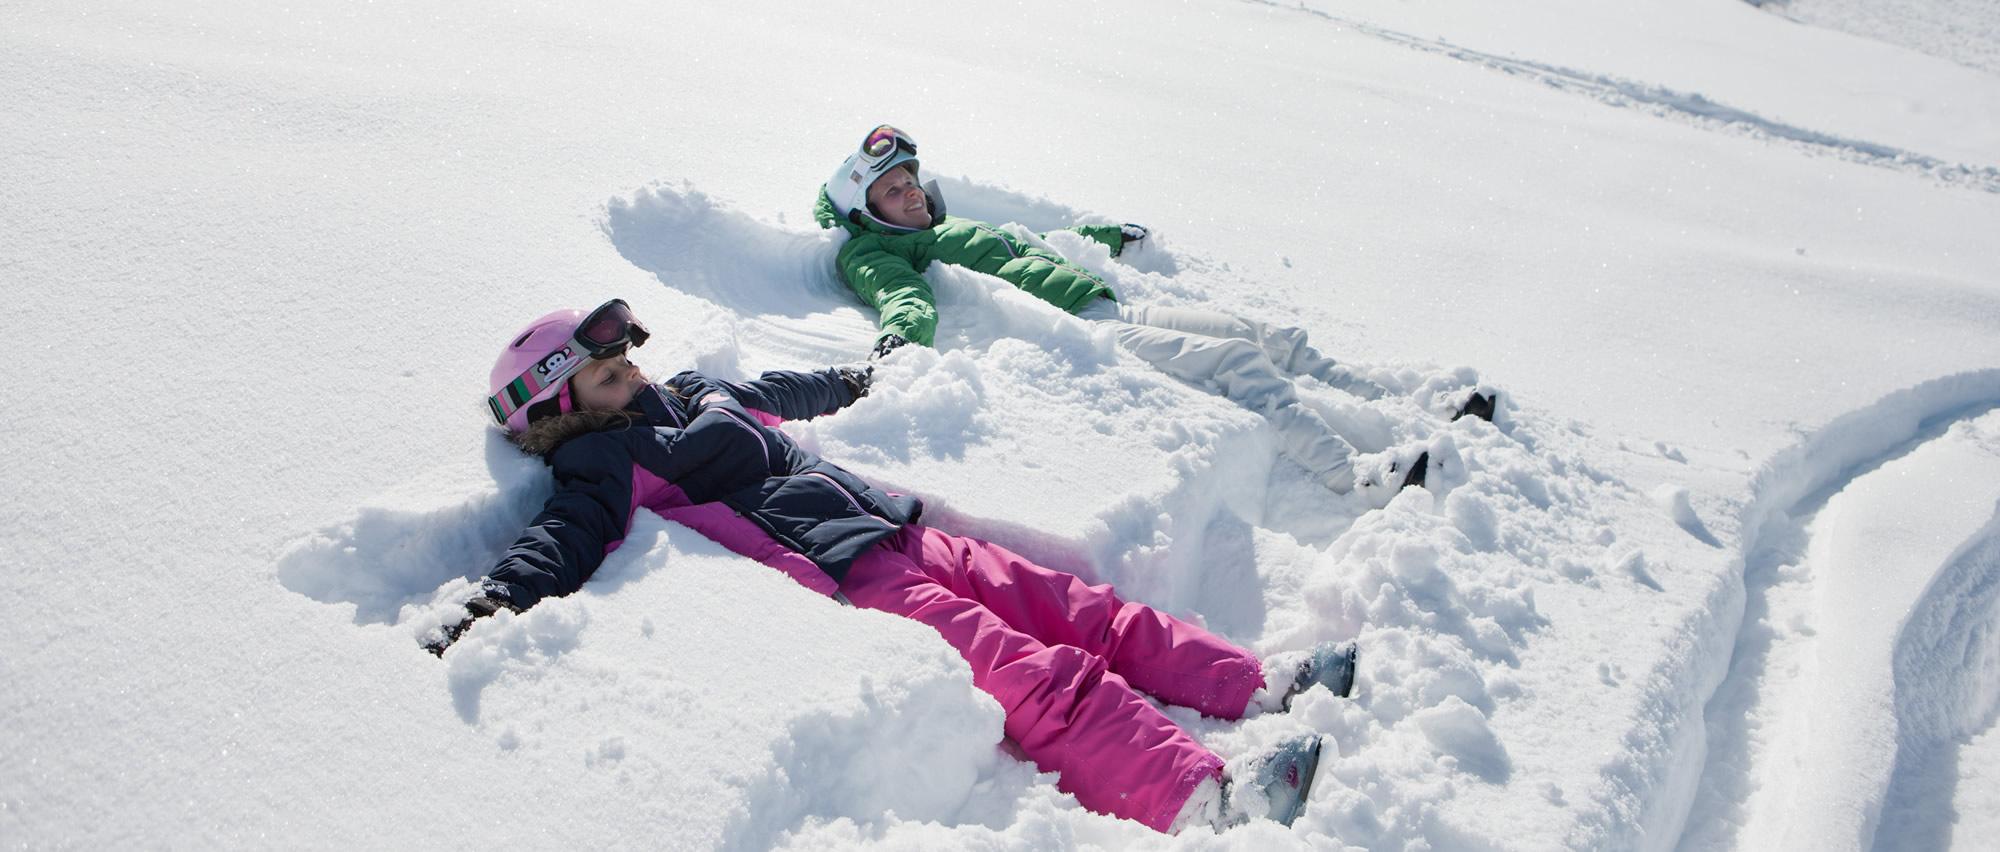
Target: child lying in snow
<point>1066,660</point>
<point>899,227</point>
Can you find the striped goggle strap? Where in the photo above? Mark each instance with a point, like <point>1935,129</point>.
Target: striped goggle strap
<point>554,368</point>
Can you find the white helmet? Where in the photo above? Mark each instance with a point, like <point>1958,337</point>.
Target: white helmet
<point>883,149</point>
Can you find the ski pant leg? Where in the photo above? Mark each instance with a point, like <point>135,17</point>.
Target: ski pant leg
<point>1244,374</point>
<point>1069,713</point>
<point>1158,654</point>
<point>1285,345</point>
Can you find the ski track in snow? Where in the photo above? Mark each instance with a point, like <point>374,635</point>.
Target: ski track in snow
<point>1852,687</point>
<point>1689,107</point>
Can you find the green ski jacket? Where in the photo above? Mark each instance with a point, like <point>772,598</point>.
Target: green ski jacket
<point>884,266</point>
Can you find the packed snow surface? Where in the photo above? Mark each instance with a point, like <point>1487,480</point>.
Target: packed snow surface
<point>1963,31</point>
<point>1723,573</point>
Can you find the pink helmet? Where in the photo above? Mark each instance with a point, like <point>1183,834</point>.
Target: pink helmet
<point>530,380</point>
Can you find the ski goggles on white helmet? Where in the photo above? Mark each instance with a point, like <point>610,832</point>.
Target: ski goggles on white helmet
<point>604,333</point>
<point>879,148</point>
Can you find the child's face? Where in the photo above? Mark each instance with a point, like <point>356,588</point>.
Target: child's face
<point>899,201</point>
<point>606,385</point>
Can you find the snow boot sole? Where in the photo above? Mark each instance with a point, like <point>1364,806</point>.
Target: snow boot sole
<point>1285,778</point>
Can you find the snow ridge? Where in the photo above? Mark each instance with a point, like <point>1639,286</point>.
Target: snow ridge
<point>1787,491</point>
<point>1847,445</point>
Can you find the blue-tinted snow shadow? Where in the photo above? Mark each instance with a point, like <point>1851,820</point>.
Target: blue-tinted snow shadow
<point>1230,593</point>
<point>697,245</point>
<point>388,556</point>
<point>1941,701</point>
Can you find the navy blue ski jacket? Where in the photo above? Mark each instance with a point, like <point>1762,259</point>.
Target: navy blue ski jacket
<point>697,447</point>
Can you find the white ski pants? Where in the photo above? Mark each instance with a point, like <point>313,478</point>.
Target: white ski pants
<point>1248,363</point>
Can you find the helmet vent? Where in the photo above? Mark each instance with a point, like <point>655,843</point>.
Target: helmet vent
<point>523,338</point>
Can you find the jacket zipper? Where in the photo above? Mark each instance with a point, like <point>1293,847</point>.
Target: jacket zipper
<point>851,501</point>
<point>1004,243</point>
<point>1013,255</point>
<point>674,410</point>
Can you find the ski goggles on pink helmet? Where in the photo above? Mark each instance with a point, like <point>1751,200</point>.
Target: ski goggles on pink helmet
<point>529,382</point>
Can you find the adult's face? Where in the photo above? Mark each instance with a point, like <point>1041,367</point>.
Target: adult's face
<point>898,200</point>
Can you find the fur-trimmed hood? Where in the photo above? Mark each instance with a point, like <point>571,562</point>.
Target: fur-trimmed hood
<point>545,435</point>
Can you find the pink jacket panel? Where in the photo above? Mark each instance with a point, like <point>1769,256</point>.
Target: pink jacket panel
<point>723,526</point>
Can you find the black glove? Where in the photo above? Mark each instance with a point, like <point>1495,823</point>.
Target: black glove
<point>477,608</point>
<point>1130,234</point>
<point>483,606</point>
<point>857,379</point>
<point>887,344</point>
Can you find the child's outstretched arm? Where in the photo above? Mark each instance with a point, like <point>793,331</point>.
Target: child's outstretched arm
<point>892,285</point>
<point>781,395</point>
<point>583,520</point>
<point>591,509</point>
<point>1115,237</point>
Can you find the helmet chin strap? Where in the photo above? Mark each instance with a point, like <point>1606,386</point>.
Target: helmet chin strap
<point>560,404</point>
<point>937,202</point>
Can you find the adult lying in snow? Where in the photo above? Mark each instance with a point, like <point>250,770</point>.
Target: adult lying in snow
<point>898,227</point>
<point>1066,660</point>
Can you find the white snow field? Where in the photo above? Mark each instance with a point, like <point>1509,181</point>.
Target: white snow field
<point>1725,574</point>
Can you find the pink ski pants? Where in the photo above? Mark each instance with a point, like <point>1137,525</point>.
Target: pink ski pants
<point>1066,662</point>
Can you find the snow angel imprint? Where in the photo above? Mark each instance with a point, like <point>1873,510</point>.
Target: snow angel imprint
<point>1067,661</point>
<point>898,227</point>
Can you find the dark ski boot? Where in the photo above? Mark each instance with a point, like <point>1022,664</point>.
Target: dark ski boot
<point>1382,486</point>
<point>1478,405</point>
<point>1418,470</point>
